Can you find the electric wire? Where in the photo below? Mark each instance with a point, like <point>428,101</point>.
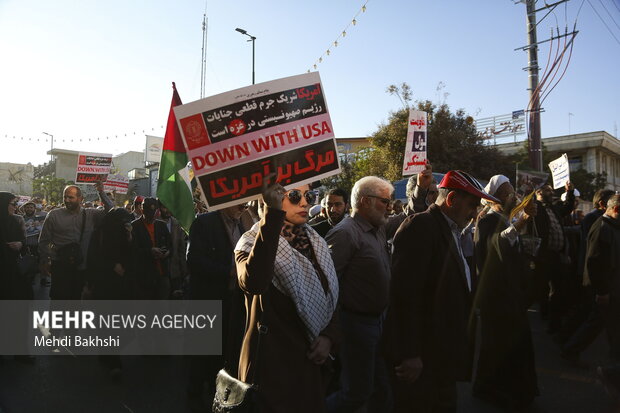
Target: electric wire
<point>610,16</point>
<point>604,23</point>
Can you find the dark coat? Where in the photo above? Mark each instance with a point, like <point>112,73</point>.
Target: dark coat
<point>13,284</point>
<point>542,220</point>
<point>210,259</point>
<point>603,257</point>
<point>430,301</point>
<point>505,371</point>
<point>288,381</point>
<point>147,275</point>
<point>109,246</point>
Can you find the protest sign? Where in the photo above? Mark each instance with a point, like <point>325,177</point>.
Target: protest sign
<point>560,171</point>
<point>415,148</point>
<point>528,181</point>
<point>92,167</point>
<point>235,139</point>
<point>22,199</point>
<point>118,183</point>
<point>34,224</point>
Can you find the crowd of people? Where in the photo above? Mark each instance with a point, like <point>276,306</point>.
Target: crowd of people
<point>370,303</point>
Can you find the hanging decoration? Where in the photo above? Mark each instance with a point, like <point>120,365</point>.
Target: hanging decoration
<point>341,35</point>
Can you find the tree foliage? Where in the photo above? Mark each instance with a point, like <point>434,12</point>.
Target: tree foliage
<point>588,182</point>
<point>48,168</point>
<point>452,144</point>
<point>49,188</point>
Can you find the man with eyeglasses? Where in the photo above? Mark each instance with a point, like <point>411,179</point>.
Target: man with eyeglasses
<point>213,276</point>
<point>337,205</point>
<point>360,253</point>
<point>426,330</point>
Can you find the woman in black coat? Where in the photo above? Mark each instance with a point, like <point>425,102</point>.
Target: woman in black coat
<point>13,286</point>
<point>110,268</point>
<point>110,257</point>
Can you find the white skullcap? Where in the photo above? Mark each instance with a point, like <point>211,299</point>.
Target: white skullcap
<point>314,211</point>
<point>563,196</point>
<point>494,183</point>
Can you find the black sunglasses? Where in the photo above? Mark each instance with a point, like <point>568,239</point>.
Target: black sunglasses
<point>294,196</point>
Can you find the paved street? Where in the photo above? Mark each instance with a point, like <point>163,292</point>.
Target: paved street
<point>153,384</point>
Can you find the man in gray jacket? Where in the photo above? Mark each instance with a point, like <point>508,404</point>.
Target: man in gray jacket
<point>64,240</point>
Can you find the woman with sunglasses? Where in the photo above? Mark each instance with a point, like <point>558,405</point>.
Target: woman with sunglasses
<point>291,290</point>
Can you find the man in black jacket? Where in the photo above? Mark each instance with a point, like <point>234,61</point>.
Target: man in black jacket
<point>603,265</point>
<point>425,337</point>
<point>213,276</point>
<point>152,245</point>
<point>588,313</point>
<point>547,285</point>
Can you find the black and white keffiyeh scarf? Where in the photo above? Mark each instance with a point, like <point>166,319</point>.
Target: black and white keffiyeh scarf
<point>296,277</point>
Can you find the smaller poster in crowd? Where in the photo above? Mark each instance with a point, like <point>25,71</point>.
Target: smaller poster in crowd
<point>415,148</point>
<point>92,167</point>
<point>236,139</point>
<point>117,183</point>
<point>528,181</point>
<point>22,199</point>
<point>34,224</point>
<point>560,171</point>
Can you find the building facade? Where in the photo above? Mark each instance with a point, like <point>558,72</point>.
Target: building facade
<point>596,152</point>
<point>16,178</point>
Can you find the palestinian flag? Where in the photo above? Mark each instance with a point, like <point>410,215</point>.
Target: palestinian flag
<point>174,188</point>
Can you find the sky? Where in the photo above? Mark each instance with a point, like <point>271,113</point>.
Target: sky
<point>101,71</point>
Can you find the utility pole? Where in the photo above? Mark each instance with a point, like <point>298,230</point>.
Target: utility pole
<point>532,67</point>
<point>52,144</point>
<point>203,59</point>
<point>534,139</point>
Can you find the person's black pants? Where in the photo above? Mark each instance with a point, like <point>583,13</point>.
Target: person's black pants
<point>67,281</point>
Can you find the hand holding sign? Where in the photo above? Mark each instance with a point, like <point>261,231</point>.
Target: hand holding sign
<point>273,193</point>
<point>425,178</point>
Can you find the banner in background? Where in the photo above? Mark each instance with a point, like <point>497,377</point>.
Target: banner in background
<point>528,181</point>
<point>118,183</point>
<point>154,145</point>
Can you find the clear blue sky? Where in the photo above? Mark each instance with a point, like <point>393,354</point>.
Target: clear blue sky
<point>91,69</point>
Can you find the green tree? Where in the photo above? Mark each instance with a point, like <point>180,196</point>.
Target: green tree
<point>453,143</point>
<point>588,182</point>
<point>48,168</point>
<point>49,188</point>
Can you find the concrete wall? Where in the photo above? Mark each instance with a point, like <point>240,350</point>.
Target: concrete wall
<point>16,178</point>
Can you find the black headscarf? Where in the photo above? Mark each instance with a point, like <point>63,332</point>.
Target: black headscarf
<point>5,198</point>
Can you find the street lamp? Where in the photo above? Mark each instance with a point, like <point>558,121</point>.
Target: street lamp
<point>52,146</point>
<point>252,39</point>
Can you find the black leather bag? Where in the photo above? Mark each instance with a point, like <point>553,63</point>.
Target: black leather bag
<point>232,395</point>
<point>27,265</point>
<point>72,253</point>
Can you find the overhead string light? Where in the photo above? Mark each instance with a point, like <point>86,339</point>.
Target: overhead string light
<point>341,35</point>
<point>34,139</point>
